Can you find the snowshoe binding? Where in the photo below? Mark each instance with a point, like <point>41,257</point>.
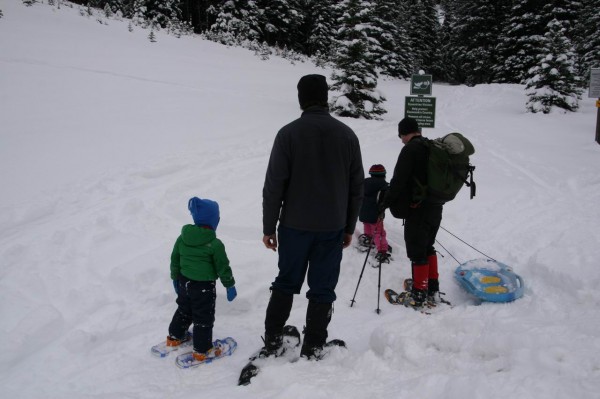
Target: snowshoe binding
<point>364,242</point>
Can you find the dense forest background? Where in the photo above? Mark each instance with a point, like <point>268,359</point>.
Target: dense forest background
<point>549,46</point>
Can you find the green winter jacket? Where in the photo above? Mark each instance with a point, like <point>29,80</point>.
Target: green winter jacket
<point>200,256</point>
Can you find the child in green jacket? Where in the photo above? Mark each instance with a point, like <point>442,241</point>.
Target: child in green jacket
<point>197,261</point>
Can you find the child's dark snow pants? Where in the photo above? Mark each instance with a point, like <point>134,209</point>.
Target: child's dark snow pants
<point>196,300</point>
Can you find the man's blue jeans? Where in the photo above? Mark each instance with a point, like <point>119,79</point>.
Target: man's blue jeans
<point>319,253</point>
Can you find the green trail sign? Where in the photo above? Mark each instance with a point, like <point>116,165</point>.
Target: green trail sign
<point>422,109</point>
<point>421,85</point>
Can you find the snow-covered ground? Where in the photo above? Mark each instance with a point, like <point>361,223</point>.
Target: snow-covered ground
<point>104,137</point>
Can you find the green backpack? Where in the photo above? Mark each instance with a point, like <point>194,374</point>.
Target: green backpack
<point>448,168</point>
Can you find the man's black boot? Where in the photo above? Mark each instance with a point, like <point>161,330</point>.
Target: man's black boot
<point>278,312</point>
<point>318,316</point>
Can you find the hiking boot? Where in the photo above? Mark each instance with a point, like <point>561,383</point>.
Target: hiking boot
<point>433,292</point>
<point>318,316</point>
<point>278,311</point>
<point>321,352</point>
<point>277,346</point>
<point>413,299</point>
<point>212,352</point>
<point>433,286</point>
<point>173,342</point>
<point>273,347</point>
<point>383,257</point>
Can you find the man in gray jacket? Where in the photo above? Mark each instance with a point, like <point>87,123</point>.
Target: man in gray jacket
<point>313,187</point>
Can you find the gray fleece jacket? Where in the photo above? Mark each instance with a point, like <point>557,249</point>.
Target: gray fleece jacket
<point>314,179</point>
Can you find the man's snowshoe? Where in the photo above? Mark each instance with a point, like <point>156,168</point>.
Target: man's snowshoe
<point>413,299</point>
<point>322,353</point>
<point>291,340</point>
<point>434,297</point>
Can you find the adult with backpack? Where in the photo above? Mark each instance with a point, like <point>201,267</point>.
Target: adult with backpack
<point>422,213</point>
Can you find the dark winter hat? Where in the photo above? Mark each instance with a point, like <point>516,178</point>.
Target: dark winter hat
<point>312,90</point>
<point>377,170</point>
<point>205,212</point>
<point>408,125</point>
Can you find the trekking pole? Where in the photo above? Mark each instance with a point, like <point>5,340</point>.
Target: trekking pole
<point>378,311</point>
<point>377,228</point>
<point>360,277</point>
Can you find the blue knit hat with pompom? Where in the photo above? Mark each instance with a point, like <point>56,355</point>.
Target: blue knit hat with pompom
<point>205,212</point>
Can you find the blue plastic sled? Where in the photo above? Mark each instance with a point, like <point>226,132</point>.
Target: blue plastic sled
<point>489,280</point>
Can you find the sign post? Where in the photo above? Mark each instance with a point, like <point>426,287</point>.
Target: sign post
<point>416,105</point>
<point>595,93</point>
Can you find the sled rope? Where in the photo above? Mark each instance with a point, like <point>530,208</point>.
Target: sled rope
<point>466,243</point>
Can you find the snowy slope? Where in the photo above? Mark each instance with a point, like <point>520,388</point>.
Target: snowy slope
<point>104,136</point>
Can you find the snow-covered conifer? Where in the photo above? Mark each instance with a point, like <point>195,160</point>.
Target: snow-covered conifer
<point>423,28</point>
<point>393,54</point>
<point>553,81</point>
<point>521,41</point>
<point>587,39</point>
<point>280,22</point>
<point>355,76</point>
<point>108,13</point>
<point>477,26</point>
<point>236,22</point>
<point>320,24</point>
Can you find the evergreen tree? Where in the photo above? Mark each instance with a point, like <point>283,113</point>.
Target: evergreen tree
<point>553,81</point>
<point>29,3</point>
<point>199,14</point>
<point>587,39</point>
<point>152,36</point>
<point>280,22</point>
<point>521,41</point>
<point>236,21</point>
<point>107,11</point>
<point>563,11</point>
<point>451,70</point>
<point>474,36</point>
<point>1,14</point>
<point>138,9</point>
<point>355,75</point>
<point>109,7</point>
<point>393,55</point>
<point>162,13</point>
<point>423,27</point>
<point>319,29</point>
